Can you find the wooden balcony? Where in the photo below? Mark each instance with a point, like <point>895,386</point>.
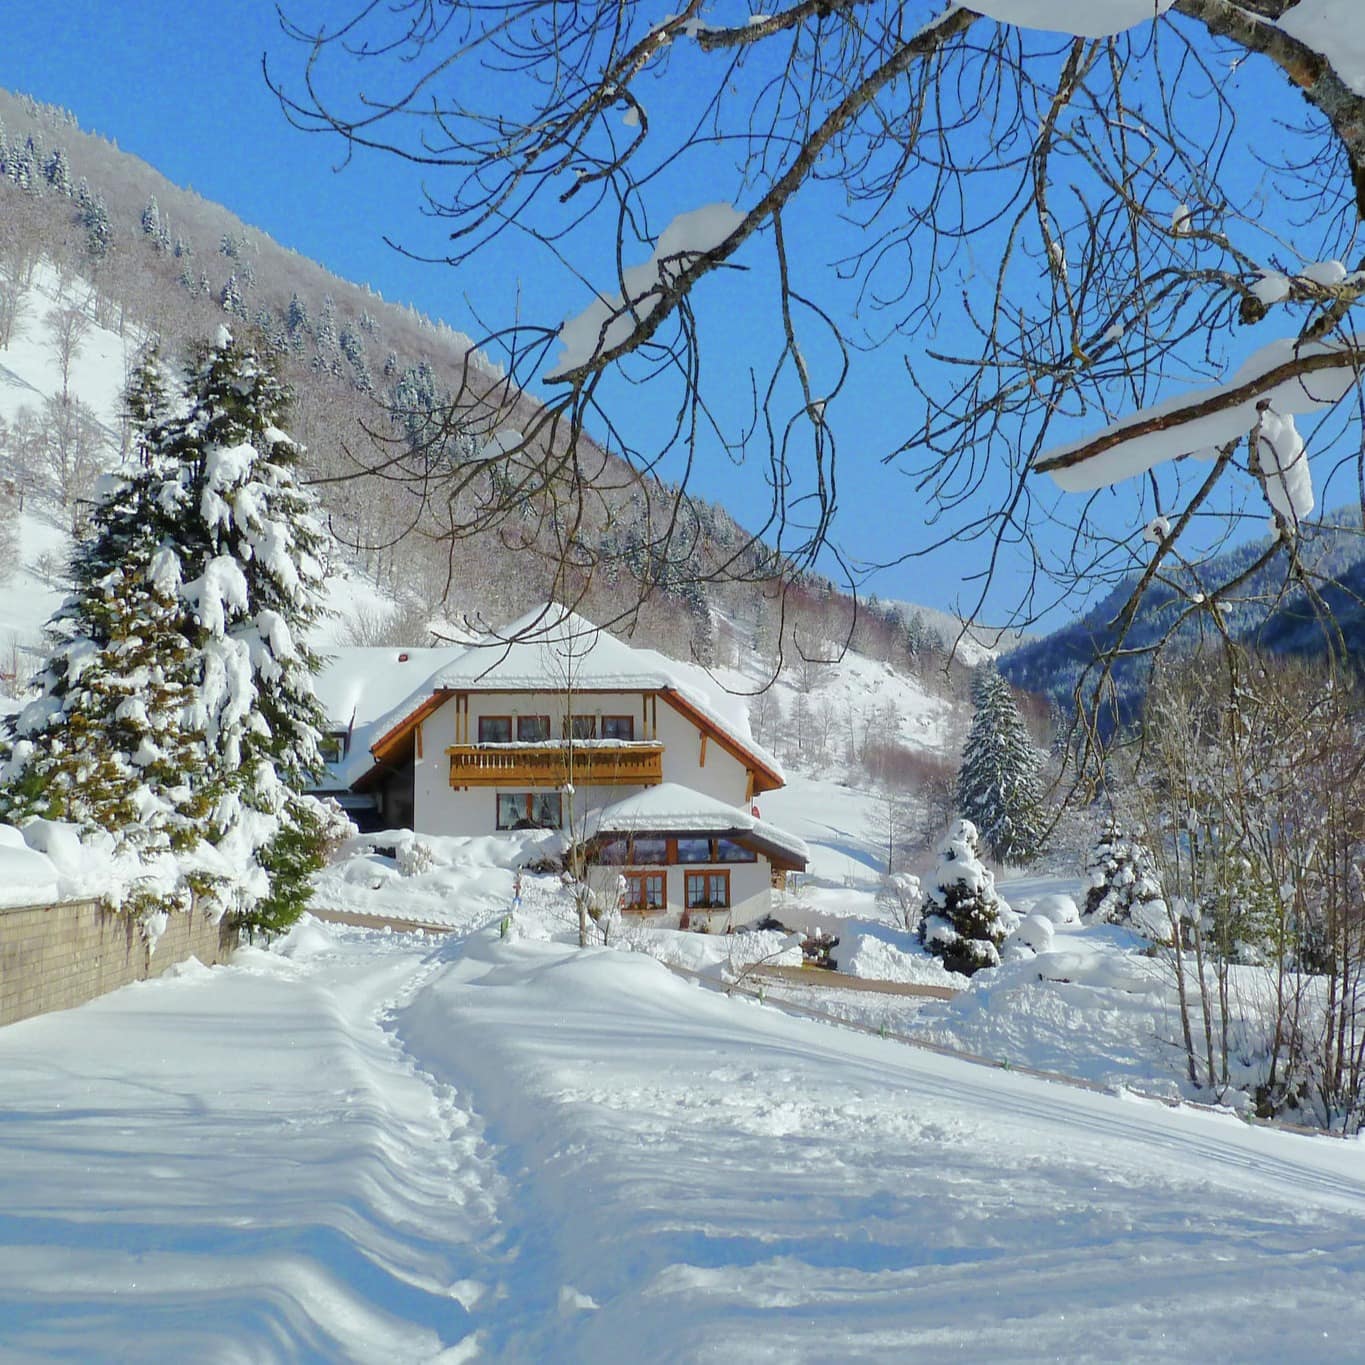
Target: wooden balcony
<point>600,763</point>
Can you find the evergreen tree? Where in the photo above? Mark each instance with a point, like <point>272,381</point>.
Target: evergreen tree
<point>57,172</point>
<point>1124,885</point>
<point>998,783</point>
<point>965,921</point>
<point>106,745</point>
<point>178,710</point>
<point>21,169</point>
<point>231,298</point>
<point>251,554</point>
<point>151,219</point>
<point>94,218</point>
<point>296,317</point>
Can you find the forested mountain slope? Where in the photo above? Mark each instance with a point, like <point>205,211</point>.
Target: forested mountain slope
<point>1298,619</point>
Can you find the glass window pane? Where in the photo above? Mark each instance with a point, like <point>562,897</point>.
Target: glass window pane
<point>654,890</point>
<point>650,849</point>
<point>545,809</point>
<point>696,889</point>
<point>585,727</point>
<point>719,887</point>
<point>694,850</point>
<point>618,727</point>
<point>613,852</point>
<point>533,729</point>
<point>727,851</point>
<point>495,729</point>
<point>511,808</point>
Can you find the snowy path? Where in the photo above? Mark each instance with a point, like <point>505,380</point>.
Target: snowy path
<point>238,1165</point>
<point>728,1183</point>
<point>388,1149</point>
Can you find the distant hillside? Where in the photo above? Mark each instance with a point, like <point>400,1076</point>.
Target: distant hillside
<point>1265,614</point>
<point>97,247</point>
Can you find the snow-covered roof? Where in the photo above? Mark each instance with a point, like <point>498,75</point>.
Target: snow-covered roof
<point>552,648</point>
<point>670,808</point>
<point>363,688</point>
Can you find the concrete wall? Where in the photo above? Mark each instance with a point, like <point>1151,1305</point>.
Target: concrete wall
<point>55,956</point>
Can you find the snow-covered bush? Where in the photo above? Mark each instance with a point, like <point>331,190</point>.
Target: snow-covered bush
<point>903,897</point>
<point>1057,907</point>
<point>1032,936</point>
<point>415,857</point>
<point>1124,887</point>
<point>965,921</point>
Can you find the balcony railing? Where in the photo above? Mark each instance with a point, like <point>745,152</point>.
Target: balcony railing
<point>599,763</point>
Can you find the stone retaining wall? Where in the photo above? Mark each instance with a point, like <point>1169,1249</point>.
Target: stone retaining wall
<point>55,956</point>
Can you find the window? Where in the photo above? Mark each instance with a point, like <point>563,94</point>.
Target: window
<point>533,729</point>
<point>583,727</point>
<point>332,746</point>
<point>644,890</point>
<point>613,852</point>
<point>618,727</point>
<point>495,729</point>
<point>708,890</point>
<point>727,851</point>
<point>694,851</point>
<point>651,849</point>
<point>529,810</point>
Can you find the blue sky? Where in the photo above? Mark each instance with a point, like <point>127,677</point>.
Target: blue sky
<point>181,86</point>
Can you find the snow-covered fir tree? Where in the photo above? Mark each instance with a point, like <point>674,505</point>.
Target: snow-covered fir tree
<point>195,595</point>
<point>151,218</point>
<point>998,785</point>
<point>57,172</point>
<point>93,216</point>
<point>251,553</point>
<point>106,745</point>
<point>231,298</point>
<point>1124,887</point>
<point>965,921</point>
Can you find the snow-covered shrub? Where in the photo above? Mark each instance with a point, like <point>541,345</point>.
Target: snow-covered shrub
<point>965,921</point>
<point>1033,936</point>
<point>903,897</point>
<point>1056,907</point>
<point>415,857</point>
<point>1124,885</point>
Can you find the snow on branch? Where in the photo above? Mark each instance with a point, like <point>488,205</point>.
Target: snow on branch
<point>1082,18</point>
<point>1283,379</point>
<point>610,320</point>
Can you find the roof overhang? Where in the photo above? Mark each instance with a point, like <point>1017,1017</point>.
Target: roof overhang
<point>766,779</point>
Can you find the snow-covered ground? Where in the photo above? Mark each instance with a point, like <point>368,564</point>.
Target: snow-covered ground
<point>379,1147</point>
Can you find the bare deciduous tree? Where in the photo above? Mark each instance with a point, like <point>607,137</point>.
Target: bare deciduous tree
<point>1251,797</point>
<point>1109,205</point>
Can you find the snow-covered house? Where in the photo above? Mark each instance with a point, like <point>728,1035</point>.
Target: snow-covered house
<point>551,722</point>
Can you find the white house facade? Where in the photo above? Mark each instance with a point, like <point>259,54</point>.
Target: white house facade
<point>551,722</point>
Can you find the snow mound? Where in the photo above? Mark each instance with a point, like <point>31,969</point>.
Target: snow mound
<point>1032,936</point>
<point>884,955</point>
<point>27,876</point>
<point>308,938</point>
<point>1056,908</point>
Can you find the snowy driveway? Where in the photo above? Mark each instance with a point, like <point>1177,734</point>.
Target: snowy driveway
<point>382,1150</point>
